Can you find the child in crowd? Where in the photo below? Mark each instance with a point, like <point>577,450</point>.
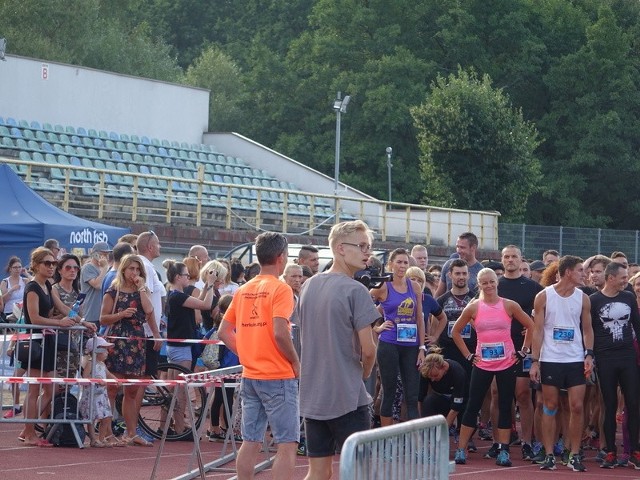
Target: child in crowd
<point>101,411</point>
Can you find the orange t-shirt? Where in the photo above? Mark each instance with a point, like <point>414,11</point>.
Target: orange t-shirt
<point>252,311</point>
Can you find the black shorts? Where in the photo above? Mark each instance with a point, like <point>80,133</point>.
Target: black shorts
<point>151,359</point>
<point>325,437</point>
<point>562,375</point>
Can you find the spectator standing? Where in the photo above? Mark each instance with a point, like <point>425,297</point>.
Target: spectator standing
<point>338,309</point>
<point>466,248</point>
<point>421,256</point>
<point>91,276</point>
<point>12,287</point>
<point>257,328</point>
<point>308,255</point>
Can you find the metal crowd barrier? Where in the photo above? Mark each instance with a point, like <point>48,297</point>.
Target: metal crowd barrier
<point>68,346</point>
<point>413,450</point>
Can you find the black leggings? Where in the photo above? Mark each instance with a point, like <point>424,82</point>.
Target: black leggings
<point>391,359</point>
<point>478,388</point>
<point>218,402</point>
<point>623,371</point>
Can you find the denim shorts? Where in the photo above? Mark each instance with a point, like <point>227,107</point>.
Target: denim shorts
<point>272,401</point>
<point>178,354</point>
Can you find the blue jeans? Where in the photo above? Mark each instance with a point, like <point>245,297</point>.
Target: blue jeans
<point>272,401</point>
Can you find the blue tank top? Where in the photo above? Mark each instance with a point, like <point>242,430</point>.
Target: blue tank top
<point>401,309</point>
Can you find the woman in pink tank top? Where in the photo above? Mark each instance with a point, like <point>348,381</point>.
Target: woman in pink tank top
<point>495,356</point>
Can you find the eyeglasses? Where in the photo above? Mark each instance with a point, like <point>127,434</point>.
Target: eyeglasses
<point>71,267</point>
<point>364,247</point>
<point>17,267</point>
<point>183,274</point>
<point>49,263</point>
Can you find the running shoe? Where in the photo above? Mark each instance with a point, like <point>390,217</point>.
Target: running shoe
<point>471,447</point>
<point>537,446</point>
<point>623,460</point>
<point>493,451</point>
<point>549,463</point>
<point>558,448</point>
<point>13,412</point>
<point>514,439</point>
<point>484,432</point>
<point>600,456</point>
<point>634,460</point>
<point>144,435</point>
<point>460,457</point>
<point>302,449</point>
<point>216,436</point>
<point>527,451</point>
<point>575,463</point>
<point>564,458</point>
<point>609,461</point>
<point>503,459</point>
<point>539,457</point>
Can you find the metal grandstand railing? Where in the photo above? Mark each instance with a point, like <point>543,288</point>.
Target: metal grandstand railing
<point>121,196</point>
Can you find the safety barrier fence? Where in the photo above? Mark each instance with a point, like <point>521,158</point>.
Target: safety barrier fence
<point>200,202</point>
<point>32,354</point>
<point>413,450</point>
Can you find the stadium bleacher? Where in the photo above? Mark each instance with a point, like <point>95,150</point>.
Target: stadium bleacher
<point>157,163</point>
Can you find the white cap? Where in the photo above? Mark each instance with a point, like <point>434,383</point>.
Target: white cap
<point>97,342</point>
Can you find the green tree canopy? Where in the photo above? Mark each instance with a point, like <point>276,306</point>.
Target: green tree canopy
<point>477,150</point>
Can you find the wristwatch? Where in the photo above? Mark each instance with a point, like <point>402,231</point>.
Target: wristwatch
<point>589,352</point>
<point>526,350</point>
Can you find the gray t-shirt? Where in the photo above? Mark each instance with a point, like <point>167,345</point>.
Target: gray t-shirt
<point>473,275</point>
<point>93,300</point>
<point>331,310</point>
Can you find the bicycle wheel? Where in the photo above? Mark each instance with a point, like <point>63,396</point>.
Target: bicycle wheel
<point>156,403</point>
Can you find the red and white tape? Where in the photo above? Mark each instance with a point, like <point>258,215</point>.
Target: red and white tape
<point>108,381</point>
<point>202,341</point>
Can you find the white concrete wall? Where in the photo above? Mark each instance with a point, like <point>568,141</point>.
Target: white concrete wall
<point>50,92</point>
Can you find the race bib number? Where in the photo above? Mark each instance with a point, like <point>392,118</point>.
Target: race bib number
<point>563,334</point>
<point>466,331</point>
<point>492,352</point>
<point>526,363</point>
<point>407,332</point>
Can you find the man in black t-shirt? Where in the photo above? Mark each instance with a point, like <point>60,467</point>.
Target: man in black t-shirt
<point>614,316</point>
<point>523,291</point>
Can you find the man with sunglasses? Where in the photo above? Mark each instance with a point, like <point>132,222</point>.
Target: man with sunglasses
<point>91,277</point>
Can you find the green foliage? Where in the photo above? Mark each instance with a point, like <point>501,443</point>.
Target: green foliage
<point>477,150</point>
<point>217,72</point>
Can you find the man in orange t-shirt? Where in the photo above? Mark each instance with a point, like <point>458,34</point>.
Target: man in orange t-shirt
<point>256,327</point>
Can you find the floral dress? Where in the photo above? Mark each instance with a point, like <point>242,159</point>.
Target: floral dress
<point>127,357</point>
<point>101,405</point>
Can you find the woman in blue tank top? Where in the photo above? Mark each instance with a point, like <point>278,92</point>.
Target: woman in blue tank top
<point>401,336</point>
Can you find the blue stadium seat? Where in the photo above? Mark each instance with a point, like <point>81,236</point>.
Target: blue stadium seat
<point>63,160</point>
<point>81,132</point>
<point>137,158</point>
<point>152,150</point>
<point>170,162</point>
<point>23,124</point>
<point>24,156</point>
<point>87,142</point>
<point>145,170</point>
<point>41,136</point>
<point>93,153</point>
<point>116,156</point>
<point>75,161</point>
<point>10,122</point>
<point>103,154</point>
<point>109,165</point>
<point>103,135</point>
<point>135,139</point>
<point>69,130</point>
<point>58,128</point>
<point>64,138</point>
<point>38,157</point>
<point>126,157</point>
<point>76,140</point>
<point>59,149</point>
<point>16,132</point>
<point>165,143</point>
<point>142,148</point>
<point>131,148</point>
<point>163,151</point>
<point>155,171</point>
<point>57,173</point>
<point>114,136</point>
<point>86,162</point>
<point>46,147</point>
<point>92,133</point>
<point>121,146</point>
<point>21,144</point>
<point>35,125</point>
<point>89,190</point>
<point>51,159</point>
<point>28,134</point>
<point>166,172</point>
<point>155,142</point>
<point>98,164</point>
<point>145,140</point>
<point>124,137</point>
<point>98,143</point>
<point>110,145</point>
<point>121,167</point>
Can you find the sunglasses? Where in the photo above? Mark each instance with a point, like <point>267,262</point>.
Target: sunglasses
<point>71,267</point>
<point>49,263</point>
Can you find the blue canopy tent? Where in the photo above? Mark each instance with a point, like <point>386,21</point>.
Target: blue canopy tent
<point>27,220</point>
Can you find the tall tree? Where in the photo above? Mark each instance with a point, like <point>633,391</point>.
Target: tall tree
<point>477,149</point>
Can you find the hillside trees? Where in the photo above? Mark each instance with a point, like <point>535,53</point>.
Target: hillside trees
<point>477,151</point>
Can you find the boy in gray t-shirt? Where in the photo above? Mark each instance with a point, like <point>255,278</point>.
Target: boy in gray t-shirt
<point>338,352</point>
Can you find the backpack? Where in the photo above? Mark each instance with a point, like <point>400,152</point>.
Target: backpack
<point>211,354</point>
<point>61,434</point>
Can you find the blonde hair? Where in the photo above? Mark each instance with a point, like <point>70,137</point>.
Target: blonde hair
<point>344,229</point>
<point>193,267</point>
<point>486,271</point>
<point>433,360</point>
<point>416,272</point>
<point>127,260</point>
<point>215,265</point>
<point>634,278</point>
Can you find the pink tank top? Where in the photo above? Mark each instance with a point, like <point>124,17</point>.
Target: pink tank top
<point>495,348</point>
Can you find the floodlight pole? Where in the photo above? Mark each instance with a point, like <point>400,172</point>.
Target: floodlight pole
<point>389,151</point>
<point>340,106</point>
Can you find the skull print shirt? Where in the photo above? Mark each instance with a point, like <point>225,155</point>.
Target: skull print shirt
<point>615,321</point>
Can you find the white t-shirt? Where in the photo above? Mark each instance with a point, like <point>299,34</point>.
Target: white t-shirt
<point>157,290</point>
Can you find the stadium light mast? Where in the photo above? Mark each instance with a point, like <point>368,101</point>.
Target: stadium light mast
<point>340,106</point>
<point>389,151</point>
